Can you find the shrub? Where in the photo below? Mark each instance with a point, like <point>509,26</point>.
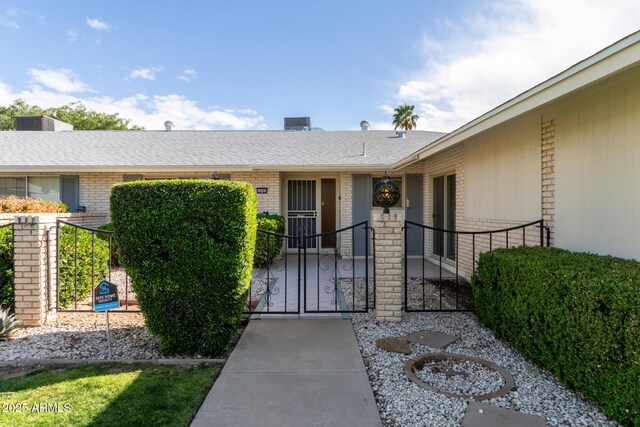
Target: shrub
<point>8,323</point>
<point>268,247</point>
<point>575,314</point>
<point>6,267</point>
<point>75,278</point>
<point>14,204</point>
<point>188,247</point>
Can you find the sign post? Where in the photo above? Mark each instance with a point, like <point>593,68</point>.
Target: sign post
<point>105,298</point>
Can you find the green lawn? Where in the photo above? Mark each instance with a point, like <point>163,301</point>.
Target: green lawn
<point>109,394</point>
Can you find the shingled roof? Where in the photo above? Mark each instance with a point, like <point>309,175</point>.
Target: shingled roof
<point>26,151</point>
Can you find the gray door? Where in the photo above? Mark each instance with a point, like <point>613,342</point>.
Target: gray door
<point>438,215</point>
<point>414,212</point>
<point>302,211</point>
<point>360,210</point>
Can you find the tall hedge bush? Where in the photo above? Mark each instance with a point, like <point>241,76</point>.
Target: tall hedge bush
<point>575,314</point>
<point>80,260</point>
<point>188,247</point>
<point>268,246</point>
<point>6,267</point>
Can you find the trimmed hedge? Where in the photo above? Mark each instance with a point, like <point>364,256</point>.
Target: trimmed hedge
<point>188,247</point>
<point>268,247</point>
<point>575,314</point>
<point>75,278</point>
<point>6,268</point>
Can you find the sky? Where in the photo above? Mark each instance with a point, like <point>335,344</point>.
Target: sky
<point>248,64</point>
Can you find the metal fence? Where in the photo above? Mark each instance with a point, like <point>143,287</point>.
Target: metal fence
<point>314,273</point>
<point>433,282</point>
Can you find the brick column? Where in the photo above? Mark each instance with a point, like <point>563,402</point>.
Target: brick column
<point>548,176</point>
<point>388,267</point>
<point>34,267</point>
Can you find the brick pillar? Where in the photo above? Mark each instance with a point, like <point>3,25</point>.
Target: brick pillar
<point>388,267</point>
<point>548,177</point>
<point>34,267</point>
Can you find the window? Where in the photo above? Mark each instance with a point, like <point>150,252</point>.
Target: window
<point>45,188</point>
<point>397,180</point>
<point>13,186</point>
<point>37,187</point>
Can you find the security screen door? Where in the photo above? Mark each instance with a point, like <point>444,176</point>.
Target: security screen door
<point>302,211</point>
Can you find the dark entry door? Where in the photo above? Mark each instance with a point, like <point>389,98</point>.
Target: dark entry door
<point>328,212</point>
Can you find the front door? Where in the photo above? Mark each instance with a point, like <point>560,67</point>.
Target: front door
<point>328,212</point>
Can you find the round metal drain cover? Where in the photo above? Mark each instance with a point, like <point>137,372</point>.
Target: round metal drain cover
<point>459,376</point>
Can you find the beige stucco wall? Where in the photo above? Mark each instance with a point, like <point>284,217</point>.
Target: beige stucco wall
<point>502,167</point>
<point>597,169</point>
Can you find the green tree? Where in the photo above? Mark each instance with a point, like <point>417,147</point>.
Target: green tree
<point>75,114</point>
<point>404,118</point>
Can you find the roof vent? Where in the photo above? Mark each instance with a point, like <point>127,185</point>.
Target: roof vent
<point>297,123</point>
<point>168,126</point>
<point>401,133</point>
<point>365,125</point>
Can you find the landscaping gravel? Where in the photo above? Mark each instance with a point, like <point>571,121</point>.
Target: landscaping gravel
<point>83,336</point>
<point>403,403</point>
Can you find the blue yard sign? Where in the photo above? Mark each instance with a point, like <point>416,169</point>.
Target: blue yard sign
<point>105,296</point>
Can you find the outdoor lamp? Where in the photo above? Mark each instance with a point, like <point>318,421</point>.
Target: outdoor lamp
<point>386,193</point>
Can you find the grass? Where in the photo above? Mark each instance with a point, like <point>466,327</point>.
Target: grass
<point>108,394</point>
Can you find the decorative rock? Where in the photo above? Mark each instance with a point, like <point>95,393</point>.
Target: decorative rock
<point>394,344</point>
<point>402,403</point>
<point>483,415</point>
<point>431,338</point>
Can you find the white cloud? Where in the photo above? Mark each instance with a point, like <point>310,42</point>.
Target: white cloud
<point>10,18</point>
<point>188,74</point>
<point>148,111</point>
<point>496,54</point>
<point>97,24</point>
<point>72,35</point>
<point>60,80</point>
<point>144,73</point>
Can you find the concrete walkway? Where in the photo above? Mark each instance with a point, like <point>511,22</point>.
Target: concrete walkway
<point>306,372</point>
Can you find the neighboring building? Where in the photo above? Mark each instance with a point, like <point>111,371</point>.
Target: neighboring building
<point>567,151</point>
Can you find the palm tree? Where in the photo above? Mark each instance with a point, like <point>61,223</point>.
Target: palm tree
<point>404,118</point>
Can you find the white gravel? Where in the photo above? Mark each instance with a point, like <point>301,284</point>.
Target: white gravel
<point>403,403</point>
<point>83,336</point>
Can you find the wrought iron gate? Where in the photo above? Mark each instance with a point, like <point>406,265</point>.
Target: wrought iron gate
<point>314,281</point>
<point>435,281</point>
<point>84,257</point>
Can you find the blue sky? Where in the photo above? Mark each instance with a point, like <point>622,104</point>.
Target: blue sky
<point>248,64</point>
